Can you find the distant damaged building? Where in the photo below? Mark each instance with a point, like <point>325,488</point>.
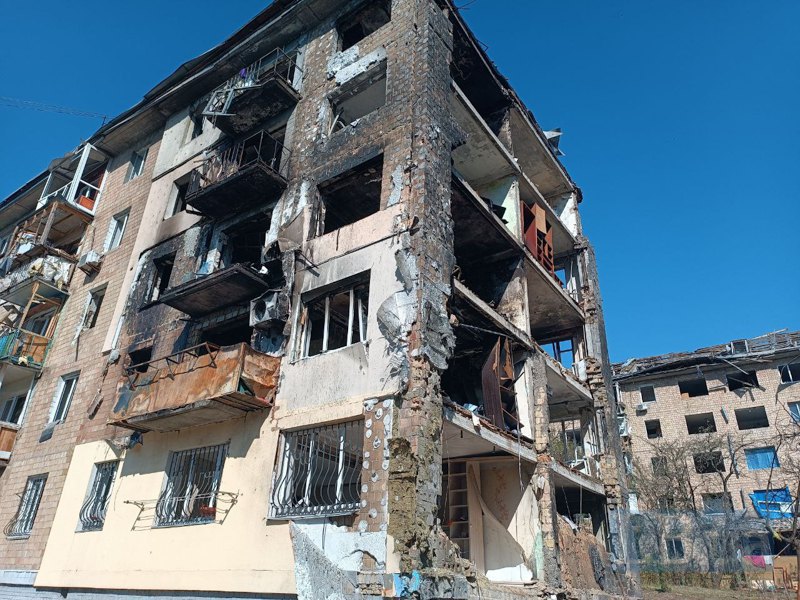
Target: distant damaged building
<point>712,444</point>
<point>332,330</point>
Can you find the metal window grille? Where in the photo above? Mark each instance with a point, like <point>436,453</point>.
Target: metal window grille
<point>319,472</point>
<point>192,488</point>
<point>93,511</point>
<point>22,523</point>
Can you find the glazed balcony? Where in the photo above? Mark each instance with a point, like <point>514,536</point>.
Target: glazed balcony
<point>239,175</point>
<point>263,90</point>
<point>197,386</point>
<point>76,179</point>
<point>8,435</point>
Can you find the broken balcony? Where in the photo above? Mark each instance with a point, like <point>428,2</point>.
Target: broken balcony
<point>8,435</point>
<point>265,89</point>
<point>23,348</point>
<point>76,179</point>
<point>238,175</point>
<point>197,386</point>
<point>233,285</point>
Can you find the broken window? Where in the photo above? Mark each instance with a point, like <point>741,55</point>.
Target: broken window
<point>563,351</point>
<point>367,20</point>
<point>318,472</point>
<point>717,503</point>
<point>790,373</point>
<point>93,511</point>
<point>136,166</point>
<point>751,418</point>
<point>702,423</point>
<point>245,241</point>
<point>139,360</point>
<point>691,388</point>
<point>674,548</point>
<point>335,320</point>
<point>660,466</point>
<point>499,397</point>
<point>761,458</point>
<point>359,97</point>
<point>666,505</point>
<point>352,196</point>
<point>192,488</point>
<point>162,271</point>
<point>709,462</point>
<point>63,398</point>
<point>739,380</point>
<point>22,523</point>
<point>794,411</point>
<point>116,229</point>
<point>177,201</point>
<point>647,393</point>
<point>229,333</point>
<point>93,308</point>
<point>653,429</point>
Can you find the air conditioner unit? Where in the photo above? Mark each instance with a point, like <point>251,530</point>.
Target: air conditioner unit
<point>641,407</point>
<point>269,309</point>
<point>90,262</point>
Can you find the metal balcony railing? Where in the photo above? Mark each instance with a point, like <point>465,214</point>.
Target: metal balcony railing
<point>231,159</point>
<point>23,347</point>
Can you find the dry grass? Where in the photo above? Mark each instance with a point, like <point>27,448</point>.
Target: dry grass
<point>696,593</point>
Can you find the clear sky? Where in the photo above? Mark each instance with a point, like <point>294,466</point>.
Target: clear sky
<point>681,121</point>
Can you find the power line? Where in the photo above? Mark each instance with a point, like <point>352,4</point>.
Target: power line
<point>54,108</point>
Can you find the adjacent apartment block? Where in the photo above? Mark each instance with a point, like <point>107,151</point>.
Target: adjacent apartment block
<point>322,323</point>
<point>711,443</point>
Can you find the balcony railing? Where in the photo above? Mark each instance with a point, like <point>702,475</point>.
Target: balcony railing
<point>53,270</point>
<point>23,348</point>
<point>200,385</point>
<point>261,90</point>
<point>238,175</point>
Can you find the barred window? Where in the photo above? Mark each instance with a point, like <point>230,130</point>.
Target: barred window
<point>191,492</point>
<point>22,523</point>
<point>318,472</point>
<point>93,511</point>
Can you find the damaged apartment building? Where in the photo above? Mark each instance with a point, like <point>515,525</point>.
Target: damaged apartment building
<point>320,322</point>
<point>710,439</point>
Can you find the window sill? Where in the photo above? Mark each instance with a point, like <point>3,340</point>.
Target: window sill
<point>18,537</point>
<point>331,352</point>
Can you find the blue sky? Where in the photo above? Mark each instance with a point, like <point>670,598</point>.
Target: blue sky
<point>680,117</point>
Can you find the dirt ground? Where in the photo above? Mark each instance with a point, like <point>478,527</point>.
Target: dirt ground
<point>692,593</point>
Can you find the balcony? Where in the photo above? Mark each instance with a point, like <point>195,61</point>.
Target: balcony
<point>23,348</point>
<point>263,90</point>
<point>238,175</point>
<point>197,386</point>
<point>8,435</point>
<point>233,285</point>
<point>76,179</point>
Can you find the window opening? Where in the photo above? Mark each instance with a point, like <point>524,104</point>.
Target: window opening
<point>739,380</point>
<point>335,320</point>
<point>162,271</point>
<point>352,196</point>
<point>93,512</point>
<point>319,471</point>
<point>93,308</point>
<point>647,393</point>
<point>245,241</point>
<point>653,429</point>
<point>22,523</point>
<point>191,492</point>
<point>563,351</point>
<point>666,505</point>
<point>759,459</point>
<point>790,373</point>
<point>709,462</point>
<point>702,423</point>
<point>236,331</point>
<point>365,22</point>
<point>717,503</point>
<point>794,410</point>
<point>136,166</point>
<point>359,97</point>
<point>63,398</point>
<point>139,360</point>
<point>660,466</point>
<point>675,548</point>
<point>751,418</point>
<point>691,388</point>
<point>178,202</point>
<point>11,409</point>
<point>116,229</point>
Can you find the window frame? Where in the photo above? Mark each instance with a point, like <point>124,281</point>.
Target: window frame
<point>93,305</point>
<point>113,241</point>
<point>158,284</point>
<point>178,204</point>
<point>641,395</point>
<point>9,406</point>
<point>297,445</point>
<point>29,501</point>
<point>137,170</point>
<point>675,549</point>
<point>794,411</point>
<point>792,370</point>
<point>749,453</point>
<point>358,317</point>
<point>63,381</point>
<point>92,514</point>
<point>181,471</point>
<point>722,497</point>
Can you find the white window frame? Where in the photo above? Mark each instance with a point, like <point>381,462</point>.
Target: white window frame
<point>672,553</point>
<point>118,223</point>
<point>358,315</point>
<point>66,382</point>
<point>91,310</point>
<point>136,164</point>
<point>92,516</point>
<point>22,524</point>
<point>7,409</point>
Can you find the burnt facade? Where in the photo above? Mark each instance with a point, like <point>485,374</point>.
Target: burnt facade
<point>360,334</point>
